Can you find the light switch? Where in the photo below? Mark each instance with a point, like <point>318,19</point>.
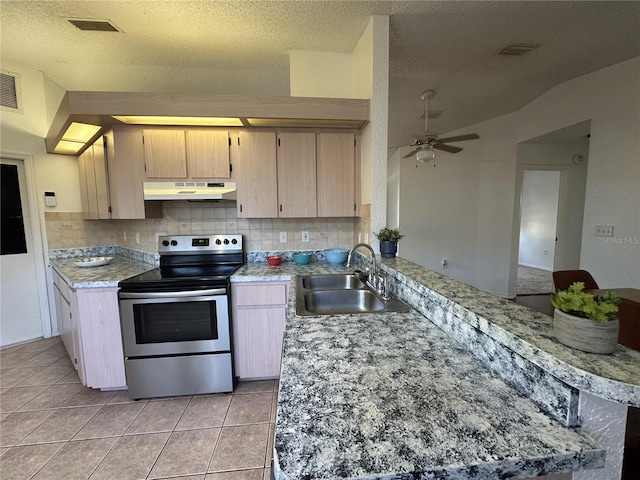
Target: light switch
<point>305,237</point>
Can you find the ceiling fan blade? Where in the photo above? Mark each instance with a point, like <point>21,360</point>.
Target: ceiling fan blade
<point>447,148</point>
<point>412,153</point>
<point>460,138</point>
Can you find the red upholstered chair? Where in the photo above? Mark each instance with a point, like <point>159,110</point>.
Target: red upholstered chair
<point>562,279</point>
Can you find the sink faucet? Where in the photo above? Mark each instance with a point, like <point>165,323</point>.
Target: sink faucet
<point>373,278</point>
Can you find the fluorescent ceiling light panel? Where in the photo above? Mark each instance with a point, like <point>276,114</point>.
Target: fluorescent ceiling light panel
<point>298,122</point>
<point>187,121</point>
<point>75,137</point>
<point>80,132</point>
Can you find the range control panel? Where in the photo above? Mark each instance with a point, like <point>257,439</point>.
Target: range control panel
<point>190,244</point>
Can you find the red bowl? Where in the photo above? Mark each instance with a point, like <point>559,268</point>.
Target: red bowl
<point>273,260</point>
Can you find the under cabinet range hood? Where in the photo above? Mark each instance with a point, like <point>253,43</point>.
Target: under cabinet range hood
<point>201,191</point>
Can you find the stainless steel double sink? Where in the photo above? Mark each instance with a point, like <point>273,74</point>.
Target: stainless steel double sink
<point>335,294</point>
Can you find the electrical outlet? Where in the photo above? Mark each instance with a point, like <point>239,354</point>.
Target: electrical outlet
<point>604,231</point>
<point>124,236</point>
<point>545,252</point>
<point>305,237</point>
<point>137,237</point>
<point>283,237</point>
<point>445,263</point>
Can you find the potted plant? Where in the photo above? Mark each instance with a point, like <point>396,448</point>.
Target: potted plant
<point>584,321</point>
<point>389,238</point>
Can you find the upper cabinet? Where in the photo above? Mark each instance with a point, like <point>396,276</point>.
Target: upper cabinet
<point>296,174</point>
<point>94,188</point>
<point>208,154</point>
<point>186,153</point>
<point>296,155</point>
<point>337,174</point>
<point>256,174</point>
<point>165,153</point>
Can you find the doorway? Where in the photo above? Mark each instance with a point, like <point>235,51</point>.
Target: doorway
<point>538,222</point>
<point>23,299</point>
<point>550,191</point>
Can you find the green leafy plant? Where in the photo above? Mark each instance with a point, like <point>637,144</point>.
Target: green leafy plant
<point>389,235</point>
<point>575,301</point>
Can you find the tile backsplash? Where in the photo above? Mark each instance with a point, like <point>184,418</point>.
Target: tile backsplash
<point>68,230</point>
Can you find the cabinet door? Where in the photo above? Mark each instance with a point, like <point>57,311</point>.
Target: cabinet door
<point>257,182</point>
<point>208,154</point>
<point>258,340</point>
<point>165,153</point>
<point>83,160</point>
<point>336,175</point>
<point>297,175</point>
<point>101,180</point>
<point>94,189</point>
<point>125,159</point>
<point>99,337</point>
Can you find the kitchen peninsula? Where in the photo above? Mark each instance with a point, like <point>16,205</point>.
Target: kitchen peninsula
<point>385,395</point>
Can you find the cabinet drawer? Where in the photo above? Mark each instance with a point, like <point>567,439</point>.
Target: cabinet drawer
<point>260,295</point>
<point>59,282</point>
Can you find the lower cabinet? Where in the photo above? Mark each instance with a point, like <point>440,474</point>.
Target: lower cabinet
<point>259,318</point>
<point>89,324</point>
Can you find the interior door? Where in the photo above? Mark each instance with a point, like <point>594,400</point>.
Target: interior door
<point>20,318</point>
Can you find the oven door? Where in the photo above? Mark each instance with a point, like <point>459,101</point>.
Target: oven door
<point>174,323</point>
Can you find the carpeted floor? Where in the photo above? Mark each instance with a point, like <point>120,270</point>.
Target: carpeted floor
<point>533,281</point>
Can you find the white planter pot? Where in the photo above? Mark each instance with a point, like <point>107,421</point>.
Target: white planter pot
<point>584,334</point>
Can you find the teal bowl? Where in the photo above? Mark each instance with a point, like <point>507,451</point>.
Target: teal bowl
<point>336,255</point>
<point>302,258</point>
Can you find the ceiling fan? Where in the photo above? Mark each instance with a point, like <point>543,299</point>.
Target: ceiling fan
<point>428,142</point>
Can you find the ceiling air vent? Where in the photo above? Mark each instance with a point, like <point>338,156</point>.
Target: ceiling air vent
<point>10,91</point>
<point>93,25</point>
<point>518,49</point>
<point>432,114</point>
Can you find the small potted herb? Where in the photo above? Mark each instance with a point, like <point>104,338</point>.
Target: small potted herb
<point>389,238</point>
<point>584,321</point>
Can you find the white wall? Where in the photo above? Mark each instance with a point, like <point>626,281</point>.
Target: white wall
<point>321,74</point>
<point>464,210</point>
<point>25,133</point>
<point>461,209</point>
<point>611,99</point>
<point>538,217</point>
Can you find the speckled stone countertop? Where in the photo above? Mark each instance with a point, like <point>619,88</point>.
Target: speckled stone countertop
<point>381,395</point>
<point>528,333</point>
<point>120,268</point>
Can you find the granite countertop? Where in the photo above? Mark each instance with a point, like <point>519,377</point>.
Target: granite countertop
<point>528,333</point>
<point>120,268</point>
<point>364,396</point>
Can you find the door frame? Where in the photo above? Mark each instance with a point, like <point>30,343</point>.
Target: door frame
<point>38,238</point>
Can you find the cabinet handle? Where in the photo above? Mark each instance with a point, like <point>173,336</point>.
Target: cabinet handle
<point>280,207</point>
<point>240,207</point>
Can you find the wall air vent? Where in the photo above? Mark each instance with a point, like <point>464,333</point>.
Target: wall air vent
<point>518,49</point>
<point>10,91</point>
<point>94,25</point>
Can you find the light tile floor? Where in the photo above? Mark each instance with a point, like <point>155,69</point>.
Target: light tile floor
<point>51,427</point>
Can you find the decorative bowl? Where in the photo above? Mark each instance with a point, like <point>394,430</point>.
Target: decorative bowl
<point>302,258</point>
<point>336,255</point>
<point>274,260</point>
<point>93,262</point>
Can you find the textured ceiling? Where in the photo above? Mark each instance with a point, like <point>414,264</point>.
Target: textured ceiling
<point>241,47</point>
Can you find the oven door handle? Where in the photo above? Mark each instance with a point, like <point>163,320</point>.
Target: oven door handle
<point>191,293</point>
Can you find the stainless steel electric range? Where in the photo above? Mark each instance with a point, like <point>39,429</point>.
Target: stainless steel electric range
<point>176,319</point>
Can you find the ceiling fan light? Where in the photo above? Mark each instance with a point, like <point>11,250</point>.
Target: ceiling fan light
<point>426,154</point>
